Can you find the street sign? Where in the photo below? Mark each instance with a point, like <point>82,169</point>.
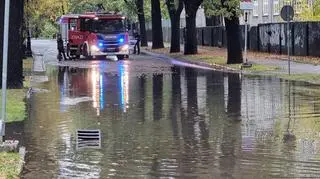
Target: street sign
<point>287,13</point>
<point>246,5</point>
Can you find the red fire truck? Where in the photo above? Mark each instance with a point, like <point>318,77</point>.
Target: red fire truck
<point>95,34</point>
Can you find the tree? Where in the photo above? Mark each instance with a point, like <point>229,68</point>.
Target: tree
<point>42,13</point>
<point>175,8</point>
<point>309,12</point>
<point>138,7</point>
<point>157,36</point>
<point>142,22</point>
<point>230,9</point>
<point>191,8</point>
<point>15,52</point>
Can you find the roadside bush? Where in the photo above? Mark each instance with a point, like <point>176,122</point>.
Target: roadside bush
<point>48,30</point>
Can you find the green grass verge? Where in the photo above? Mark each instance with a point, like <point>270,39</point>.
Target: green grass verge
<point>211,60</point>
<point>16,108</point>
<point>27,64</point>
<point>27,82</point>
<point>9,165</point>
<point>256,68</point>
<point>16,111</point>
<point>219,60</point>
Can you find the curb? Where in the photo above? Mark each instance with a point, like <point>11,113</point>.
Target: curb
<point>22,153</point>
<point>202,64</point>
<point>12,146</point>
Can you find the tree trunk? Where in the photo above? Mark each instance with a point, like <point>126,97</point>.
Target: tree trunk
<point>157,36</point>
<point>142,22</point>
<point>27,36</point>
<point>233,40</point>
<point>15,55</point>
<point>191,42</point>
<point>175,24</point>
<point>175,35</point>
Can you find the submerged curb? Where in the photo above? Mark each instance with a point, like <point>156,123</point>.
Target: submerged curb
<point>22,153</point>
<point>202,64</point>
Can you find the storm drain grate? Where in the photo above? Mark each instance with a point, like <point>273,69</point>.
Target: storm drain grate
<point>88,139</point>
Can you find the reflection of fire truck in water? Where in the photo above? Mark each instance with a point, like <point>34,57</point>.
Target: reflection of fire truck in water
<point>95,34</point>
<point>104,89</point>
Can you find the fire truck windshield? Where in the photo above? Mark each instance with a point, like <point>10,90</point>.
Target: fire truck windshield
<point>108,26</point>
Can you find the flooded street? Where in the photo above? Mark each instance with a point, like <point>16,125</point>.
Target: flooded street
<point>160,120</point>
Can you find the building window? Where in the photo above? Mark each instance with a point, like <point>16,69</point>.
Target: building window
<point>255,8</point>
<point>265,9</point>
<point>276,7</point>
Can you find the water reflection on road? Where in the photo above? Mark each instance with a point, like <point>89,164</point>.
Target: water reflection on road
<point>179,122</point>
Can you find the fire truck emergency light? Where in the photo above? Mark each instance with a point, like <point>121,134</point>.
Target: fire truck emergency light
<point>100,44</point>
<point>121,40</point>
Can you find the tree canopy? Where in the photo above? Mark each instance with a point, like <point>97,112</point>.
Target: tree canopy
<point>43,14</point>
<point>309,11</point>
<point>227,8</point>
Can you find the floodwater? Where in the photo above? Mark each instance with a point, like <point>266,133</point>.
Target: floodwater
<point>172,122</point>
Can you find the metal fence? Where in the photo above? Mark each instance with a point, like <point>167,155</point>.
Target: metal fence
<point>272,38</point>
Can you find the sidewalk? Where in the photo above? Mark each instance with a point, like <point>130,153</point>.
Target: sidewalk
<point>302,68</point>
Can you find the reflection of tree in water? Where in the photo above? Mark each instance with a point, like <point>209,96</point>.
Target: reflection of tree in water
<point>142,93</point>
<point>194,129</point>
<point>231,130</point>
<point>157,96</point>
<point>175,102</point>
<point>234,96</point>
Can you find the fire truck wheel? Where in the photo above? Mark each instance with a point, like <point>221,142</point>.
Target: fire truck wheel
<point>86,52</point>
<point>121,57</point>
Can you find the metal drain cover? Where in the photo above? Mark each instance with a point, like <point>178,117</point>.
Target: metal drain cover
<point>88,139</point>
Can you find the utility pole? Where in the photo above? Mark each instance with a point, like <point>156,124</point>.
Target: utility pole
<point>246,36</point>
<point>4,68</point>
<point>246,6</point>
<point>287,14</point>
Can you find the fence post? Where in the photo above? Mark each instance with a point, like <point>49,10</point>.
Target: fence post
<point>307,38</point>
<point>292,39</point>
<point>258,38</point>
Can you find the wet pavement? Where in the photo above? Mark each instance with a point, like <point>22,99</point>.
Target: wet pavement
<point>159,120</point>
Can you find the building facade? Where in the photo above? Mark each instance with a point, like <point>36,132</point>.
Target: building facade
<point>268,11</point>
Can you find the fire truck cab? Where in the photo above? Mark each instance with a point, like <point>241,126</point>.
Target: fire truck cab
<point>95,34</point>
